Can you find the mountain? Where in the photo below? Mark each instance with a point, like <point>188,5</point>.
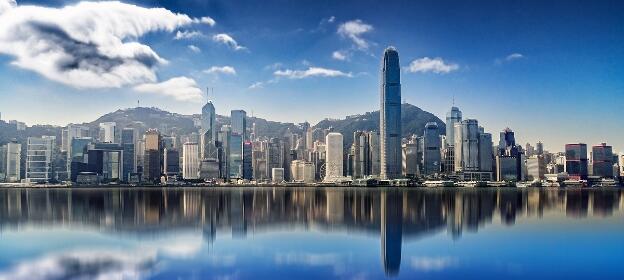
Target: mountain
<point>413,122</point>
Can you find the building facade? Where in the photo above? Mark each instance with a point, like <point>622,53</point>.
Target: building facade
<point>390,115</point>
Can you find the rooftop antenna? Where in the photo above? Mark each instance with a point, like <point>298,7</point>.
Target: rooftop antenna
<point>138,104</point>
<point>453,100</point>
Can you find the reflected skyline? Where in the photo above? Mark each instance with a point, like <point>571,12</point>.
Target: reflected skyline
<point>396,216</point>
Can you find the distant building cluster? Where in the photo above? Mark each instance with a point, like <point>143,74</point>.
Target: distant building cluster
<point>236,153</point>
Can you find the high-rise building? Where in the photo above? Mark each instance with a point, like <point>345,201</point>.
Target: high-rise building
<point>539,148</point>
<point>13,161</point>
<point>452,117</point>
<point>602,160</point>
<point>152,160</point>
<point>410,161</point>
<point>171,163</point>
<point>431,149</point>
<point>78,156</point>
<point>334,156</point>
<point>238,120</point>
<point>467,146</point>
<point>127,143</point>
<point>236,156</point>
<point>39,155</point>
<point>390,115</point>
<point>190,160</point>
<point>576,161</point>
<point>3,162</point>
<point>536,167</point>
<point>108,132</point>
<point>208,133</point>
<point>508,149</point>
<point>486,153</point>
<point>274,155</point>
<point>247,160</point>
<point>72,131</point>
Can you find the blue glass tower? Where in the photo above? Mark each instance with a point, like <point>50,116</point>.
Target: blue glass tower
<point>390,115</point>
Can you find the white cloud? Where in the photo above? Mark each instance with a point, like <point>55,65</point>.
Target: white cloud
<point>228,70</point>
<point>340,55</point>
<point>354,30</point>
<point>427,264</point>
<point>514,56</point>
<point>208,20</point>
<point>5,5</point>
<point>86,45</point>
<point>311,72</point>
<point>194,48</point>
<point>435,65</point>
<point>227,40</point>
<point>85,265</point>
<point>180,88</point>
<point>331,19</point>
<point>187,35</point>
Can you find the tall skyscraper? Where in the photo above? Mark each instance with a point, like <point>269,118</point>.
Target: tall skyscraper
<point>238,120</point>
<point>190,160</point>
<point>452,117</point>
<point>107,132</point>
<point>576,161</point>
<point>129,160</point>
<point>247,160</point>
<point>3,162</point>
<point>390,115</point>
<point>208,133</point>
<point>334,156</point>
<point>39,155</point>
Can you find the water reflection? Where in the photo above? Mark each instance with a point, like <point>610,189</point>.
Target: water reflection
<point>394,215</point>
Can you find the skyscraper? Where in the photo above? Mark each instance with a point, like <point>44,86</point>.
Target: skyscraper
<point>431,149</point>
<point>152,162</point>
<point>334,154</point>
<point>208,133</point>
<point>576,160</point>
<point>107,132</point>
<point>127,143</point>
<point>238,120</point>
<point>13,161</point>
<point>190,161</point>
<point>390,115</point>
<point>39,155</point>
<point>452,117</point>
<point>602,160</point>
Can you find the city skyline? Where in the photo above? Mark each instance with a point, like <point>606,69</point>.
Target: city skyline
<point>544,89</point>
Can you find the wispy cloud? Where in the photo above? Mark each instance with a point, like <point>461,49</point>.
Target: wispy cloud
<point>514,56</point>
<point>208,20</point>
<point>427,264</point>
<point>311,72</point>
<point>88,44</point>
<point>340,55</point>
<point>180,88</point>
<point>194,48</point>
<point>354,30</point>
<point>434,65</point>
<point>227,40</point>
<point>228,70</point>
<point>180,35</point>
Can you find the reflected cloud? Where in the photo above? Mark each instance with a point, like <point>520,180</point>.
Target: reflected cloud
<point>427,264</point>
<point>101,265</point>
<point>312,259</point>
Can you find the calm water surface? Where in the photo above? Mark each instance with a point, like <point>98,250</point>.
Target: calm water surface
<point>310,233</point>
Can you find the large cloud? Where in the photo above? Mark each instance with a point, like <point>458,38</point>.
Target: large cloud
<point>180,88</point>
<point>86,45</point>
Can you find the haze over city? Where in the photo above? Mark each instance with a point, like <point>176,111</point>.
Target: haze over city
<point>550,70</point>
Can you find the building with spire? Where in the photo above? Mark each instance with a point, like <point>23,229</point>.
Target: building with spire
<point>390,115</point>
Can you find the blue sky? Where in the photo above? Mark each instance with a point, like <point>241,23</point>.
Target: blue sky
<point>550,70</point>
